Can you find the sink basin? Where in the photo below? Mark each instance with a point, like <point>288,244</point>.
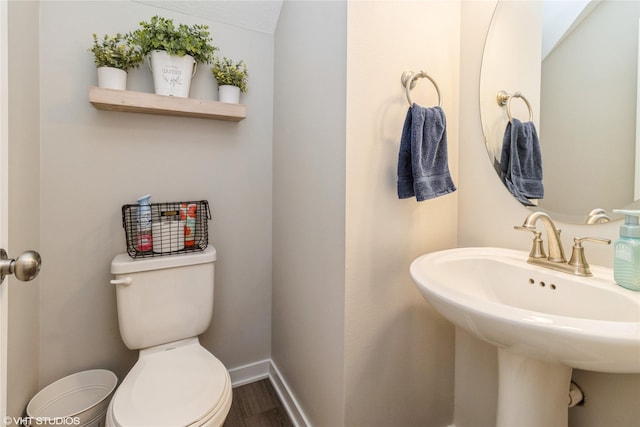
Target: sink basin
<point>583,322</point>
<point>543,322</point>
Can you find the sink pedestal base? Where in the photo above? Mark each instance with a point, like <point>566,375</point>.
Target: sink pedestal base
<point>531,393</point>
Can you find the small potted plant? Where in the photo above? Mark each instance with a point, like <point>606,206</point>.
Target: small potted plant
<point>231,78</point>
<point>114,56</point>
<point>174,53</point>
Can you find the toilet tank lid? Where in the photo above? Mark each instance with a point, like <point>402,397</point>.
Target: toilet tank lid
<point>123,263</point>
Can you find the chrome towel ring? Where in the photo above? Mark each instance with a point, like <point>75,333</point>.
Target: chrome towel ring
<point>408,80</point>
<point>504,98</point>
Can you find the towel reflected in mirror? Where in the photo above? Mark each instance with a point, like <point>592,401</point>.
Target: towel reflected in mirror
<point>521,162</point>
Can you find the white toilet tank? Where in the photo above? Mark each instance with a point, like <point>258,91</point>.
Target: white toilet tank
<point>163,299</point>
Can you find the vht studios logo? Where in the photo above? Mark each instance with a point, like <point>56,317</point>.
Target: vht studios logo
<point>40,421</point>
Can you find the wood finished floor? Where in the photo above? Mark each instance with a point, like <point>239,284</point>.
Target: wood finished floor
<point>257,405</point>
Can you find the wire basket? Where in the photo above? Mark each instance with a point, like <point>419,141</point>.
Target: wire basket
<point>175,227</point>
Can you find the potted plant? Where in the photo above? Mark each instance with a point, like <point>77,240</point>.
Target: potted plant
<point>174,53</point>
<point>231,78</point>
<point>114,56</point>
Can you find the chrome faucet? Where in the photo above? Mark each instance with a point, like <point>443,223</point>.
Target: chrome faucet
<point>556,260</point>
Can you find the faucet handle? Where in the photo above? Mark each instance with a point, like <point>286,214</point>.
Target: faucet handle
<point>578,240</point>
<point>578,260</point>
<point>537,250</point>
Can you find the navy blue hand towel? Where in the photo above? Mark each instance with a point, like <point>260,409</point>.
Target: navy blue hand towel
<point>521,161</point>
<point>423,165</point>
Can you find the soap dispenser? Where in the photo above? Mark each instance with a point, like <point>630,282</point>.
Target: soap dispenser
<point>626,258</point>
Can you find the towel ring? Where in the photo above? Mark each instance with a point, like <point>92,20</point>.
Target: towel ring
<point>504,98</point>
<point>408,80</point>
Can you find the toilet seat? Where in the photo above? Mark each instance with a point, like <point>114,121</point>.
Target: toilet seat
<point>176,384</point>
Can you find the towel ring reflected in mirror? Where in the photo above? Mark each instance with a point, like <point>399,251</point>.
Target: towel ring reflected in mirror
<point>504,98</point>
<point>408,80</point>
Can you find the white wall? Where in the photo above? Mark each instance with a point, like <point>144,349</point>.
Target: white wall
<point>398,350</point>
<point>487,214</point>
<point>351,335</point>
<point>93,162</point>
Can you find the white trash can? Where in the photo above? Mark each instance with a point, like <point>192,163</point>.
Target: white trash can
<point>80,399</point>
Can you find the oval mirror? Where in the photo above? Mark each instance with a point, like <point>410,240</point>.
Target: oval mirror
<point>576,63</point>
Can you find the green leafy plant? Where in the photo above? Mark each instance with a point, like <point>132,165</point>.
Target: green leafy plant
<point>228,73</point>
<point>116,51</point>
<point>161,34</point>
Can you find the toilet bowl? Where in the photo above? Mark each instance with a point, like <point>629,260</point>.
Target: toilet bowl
<point>163,305</point>
<point>176,384</point>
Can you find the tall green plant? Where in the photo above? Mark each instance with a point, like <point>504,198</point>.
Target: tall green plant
<point>228,73</point>
<point>116,51</point>
<point>161,34</point>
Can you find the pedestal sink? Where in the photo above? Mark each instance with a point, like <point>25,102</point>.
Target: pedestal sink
<point>544,323</point>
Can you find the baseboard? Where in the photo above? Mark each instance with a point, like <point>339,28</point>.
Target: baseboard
<point>287,397</point>
<point>249,373</point>
<point>267,369</point>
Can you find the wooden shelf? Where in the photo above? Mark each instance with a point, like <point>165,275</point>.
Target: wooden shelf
<point>149,103</point>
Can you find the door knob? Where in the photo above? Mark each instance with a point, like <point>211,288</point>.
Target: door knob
<point>26,267</point>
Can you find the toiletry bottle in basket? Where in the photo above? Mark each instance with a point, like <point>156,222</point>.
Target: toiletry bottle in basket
<point>188,214</point>
<point>144,224</point>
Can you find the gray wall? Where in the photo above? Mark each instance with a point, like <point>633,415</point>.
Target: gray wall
<point>308,206</point>
<point>92,162</point>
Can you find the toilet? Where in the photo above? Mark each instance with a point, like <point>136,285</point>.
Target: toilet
<point>164,303</point>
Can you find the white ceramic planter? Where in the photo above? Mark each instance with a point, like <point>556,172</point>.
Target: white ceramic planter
<point>172,73</point>
<point>229,94</point>
<point>112,78</point>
